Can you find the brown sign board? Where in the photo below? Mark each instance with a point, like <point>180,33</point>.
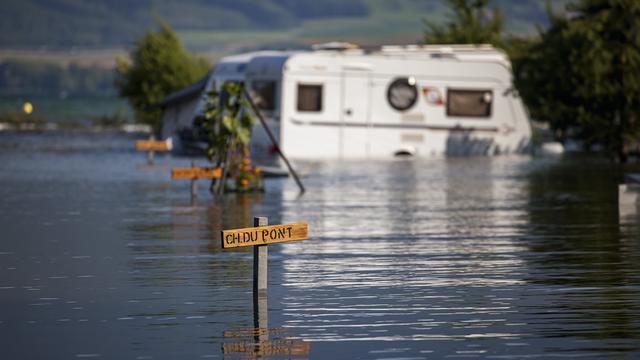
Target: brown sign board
<point>153,145</point>
<point>196,173</point>
<point>263,235</point>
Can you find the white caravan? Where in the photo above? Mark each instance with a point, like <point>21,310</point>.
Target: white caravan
<point>181,108</point>
<point>345,102</point>
<point>410,100</point>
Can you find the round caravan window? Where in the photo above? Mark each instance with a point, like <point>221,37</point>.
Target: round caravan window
<point>402,93</point>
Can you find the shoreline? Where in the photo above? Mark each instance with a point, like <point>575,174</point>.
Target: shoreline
<point>50,126</point>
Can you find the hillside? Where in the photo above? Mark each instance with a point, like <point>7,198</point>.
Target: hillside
<point>208,24</point>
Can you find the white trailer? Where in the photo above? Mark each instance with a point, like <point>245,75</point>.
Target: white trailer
<point>181,108</point>
<point>411,100</point>
<point>345,102</point>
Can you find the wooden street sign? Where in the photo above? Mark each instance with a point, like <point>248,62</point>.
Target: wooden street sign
<point>259,236</point>
<point>196,173</point>
<point>263,235</point>
<point>154,145</point>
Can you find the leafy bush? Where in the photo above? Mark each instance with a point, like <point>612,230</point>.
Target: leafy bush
<point>157,66</point>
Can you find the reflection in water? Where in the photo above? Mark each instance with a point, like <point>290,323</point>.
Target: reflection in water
<point>589,269</point>
<point>412,257</point>
<point>473,257</point>
<point>389,274</point>
<point>262,342</point>
<point>266,349</point>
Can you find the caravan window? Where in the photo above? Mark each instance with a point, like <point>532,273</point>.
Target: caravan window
<point>402,93</point>
<point>309,98</point>
<point>264,94</point>
<point>469,103</point>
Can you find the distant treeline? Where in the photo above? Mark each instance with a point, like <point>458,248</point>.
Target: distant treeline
<point>19,78</point>
<point>109,23</point>
<point>60,23</point>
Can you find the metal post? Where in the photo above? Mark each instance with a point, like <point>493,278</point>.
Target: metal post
<point>150,153</point>
<point>261,316</point>
<point>274,142</point>
<point>194,185</point>
<point>260,309</point>
<point>260,259</point>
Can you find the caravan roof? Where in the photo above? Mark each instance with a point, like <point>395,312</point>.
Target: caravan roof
<point>484,63</point>
<point>235,65</point>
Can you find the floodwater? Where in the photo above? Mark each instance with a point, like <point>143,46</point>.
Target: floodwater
<point>103,256</point>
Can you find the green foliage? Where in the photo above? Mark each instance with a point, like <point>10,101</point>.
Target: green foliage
<point>608,33</point>
<point>227,124</point>
<point>56,23</point>
<point>471,23</point>
<point>158,66</point>
<point>53,24</point>
<point>584,74</point>
<point>545,78</point>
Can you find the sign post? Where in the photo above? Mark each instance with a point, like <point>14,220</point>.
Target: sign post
<point>260,236</point>
<point>260,268</point>
<point>194,184</point>
<point>260,255</point>
<point>194,173</point>
<point>152,146</point>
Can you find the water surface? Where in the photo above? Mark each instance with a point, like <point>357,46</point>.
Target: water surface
<point>104,256</point>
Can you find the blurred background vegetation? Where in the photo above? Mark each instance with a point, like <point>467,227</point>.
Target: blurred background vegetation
<point>575,61</point>
<point>61,24</point>
<point>581,74</point>
<point>61,54</point>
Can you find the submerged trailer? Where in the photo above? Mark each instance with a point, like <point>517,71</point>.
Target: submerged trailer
<point>181,109</point>
<point>342,102</point>
<point>411,100</point>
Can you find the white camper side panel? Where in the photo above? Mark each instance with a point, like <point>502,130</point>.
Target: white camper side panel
<point>355,112</point>
<point>521,134</point>
<point>358,121</point>
<point>311,134</point>
<point>425,129</point>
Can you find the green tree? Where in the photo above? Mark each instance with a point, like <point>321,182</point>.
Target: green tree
<point>545,78</point>
<point>472,23</point>
<point>158,65</point>
<point>608,56</point>
<point>584,74</point>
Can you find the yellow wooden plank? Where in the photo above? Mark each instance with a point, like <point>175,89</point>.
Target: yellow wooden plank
<point>153,145</point>
<point>196,173</point>
<point>263,235</point>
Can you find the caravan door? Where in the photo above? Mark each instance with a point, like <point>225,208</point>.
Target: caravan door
<point>355,111</point>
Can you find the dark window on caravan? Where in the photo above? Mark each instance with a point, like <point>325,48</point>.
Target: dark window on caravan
<point>469,103</point>
<point>309,98</point>
<point>402,93</point>
<point>264,94</point>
